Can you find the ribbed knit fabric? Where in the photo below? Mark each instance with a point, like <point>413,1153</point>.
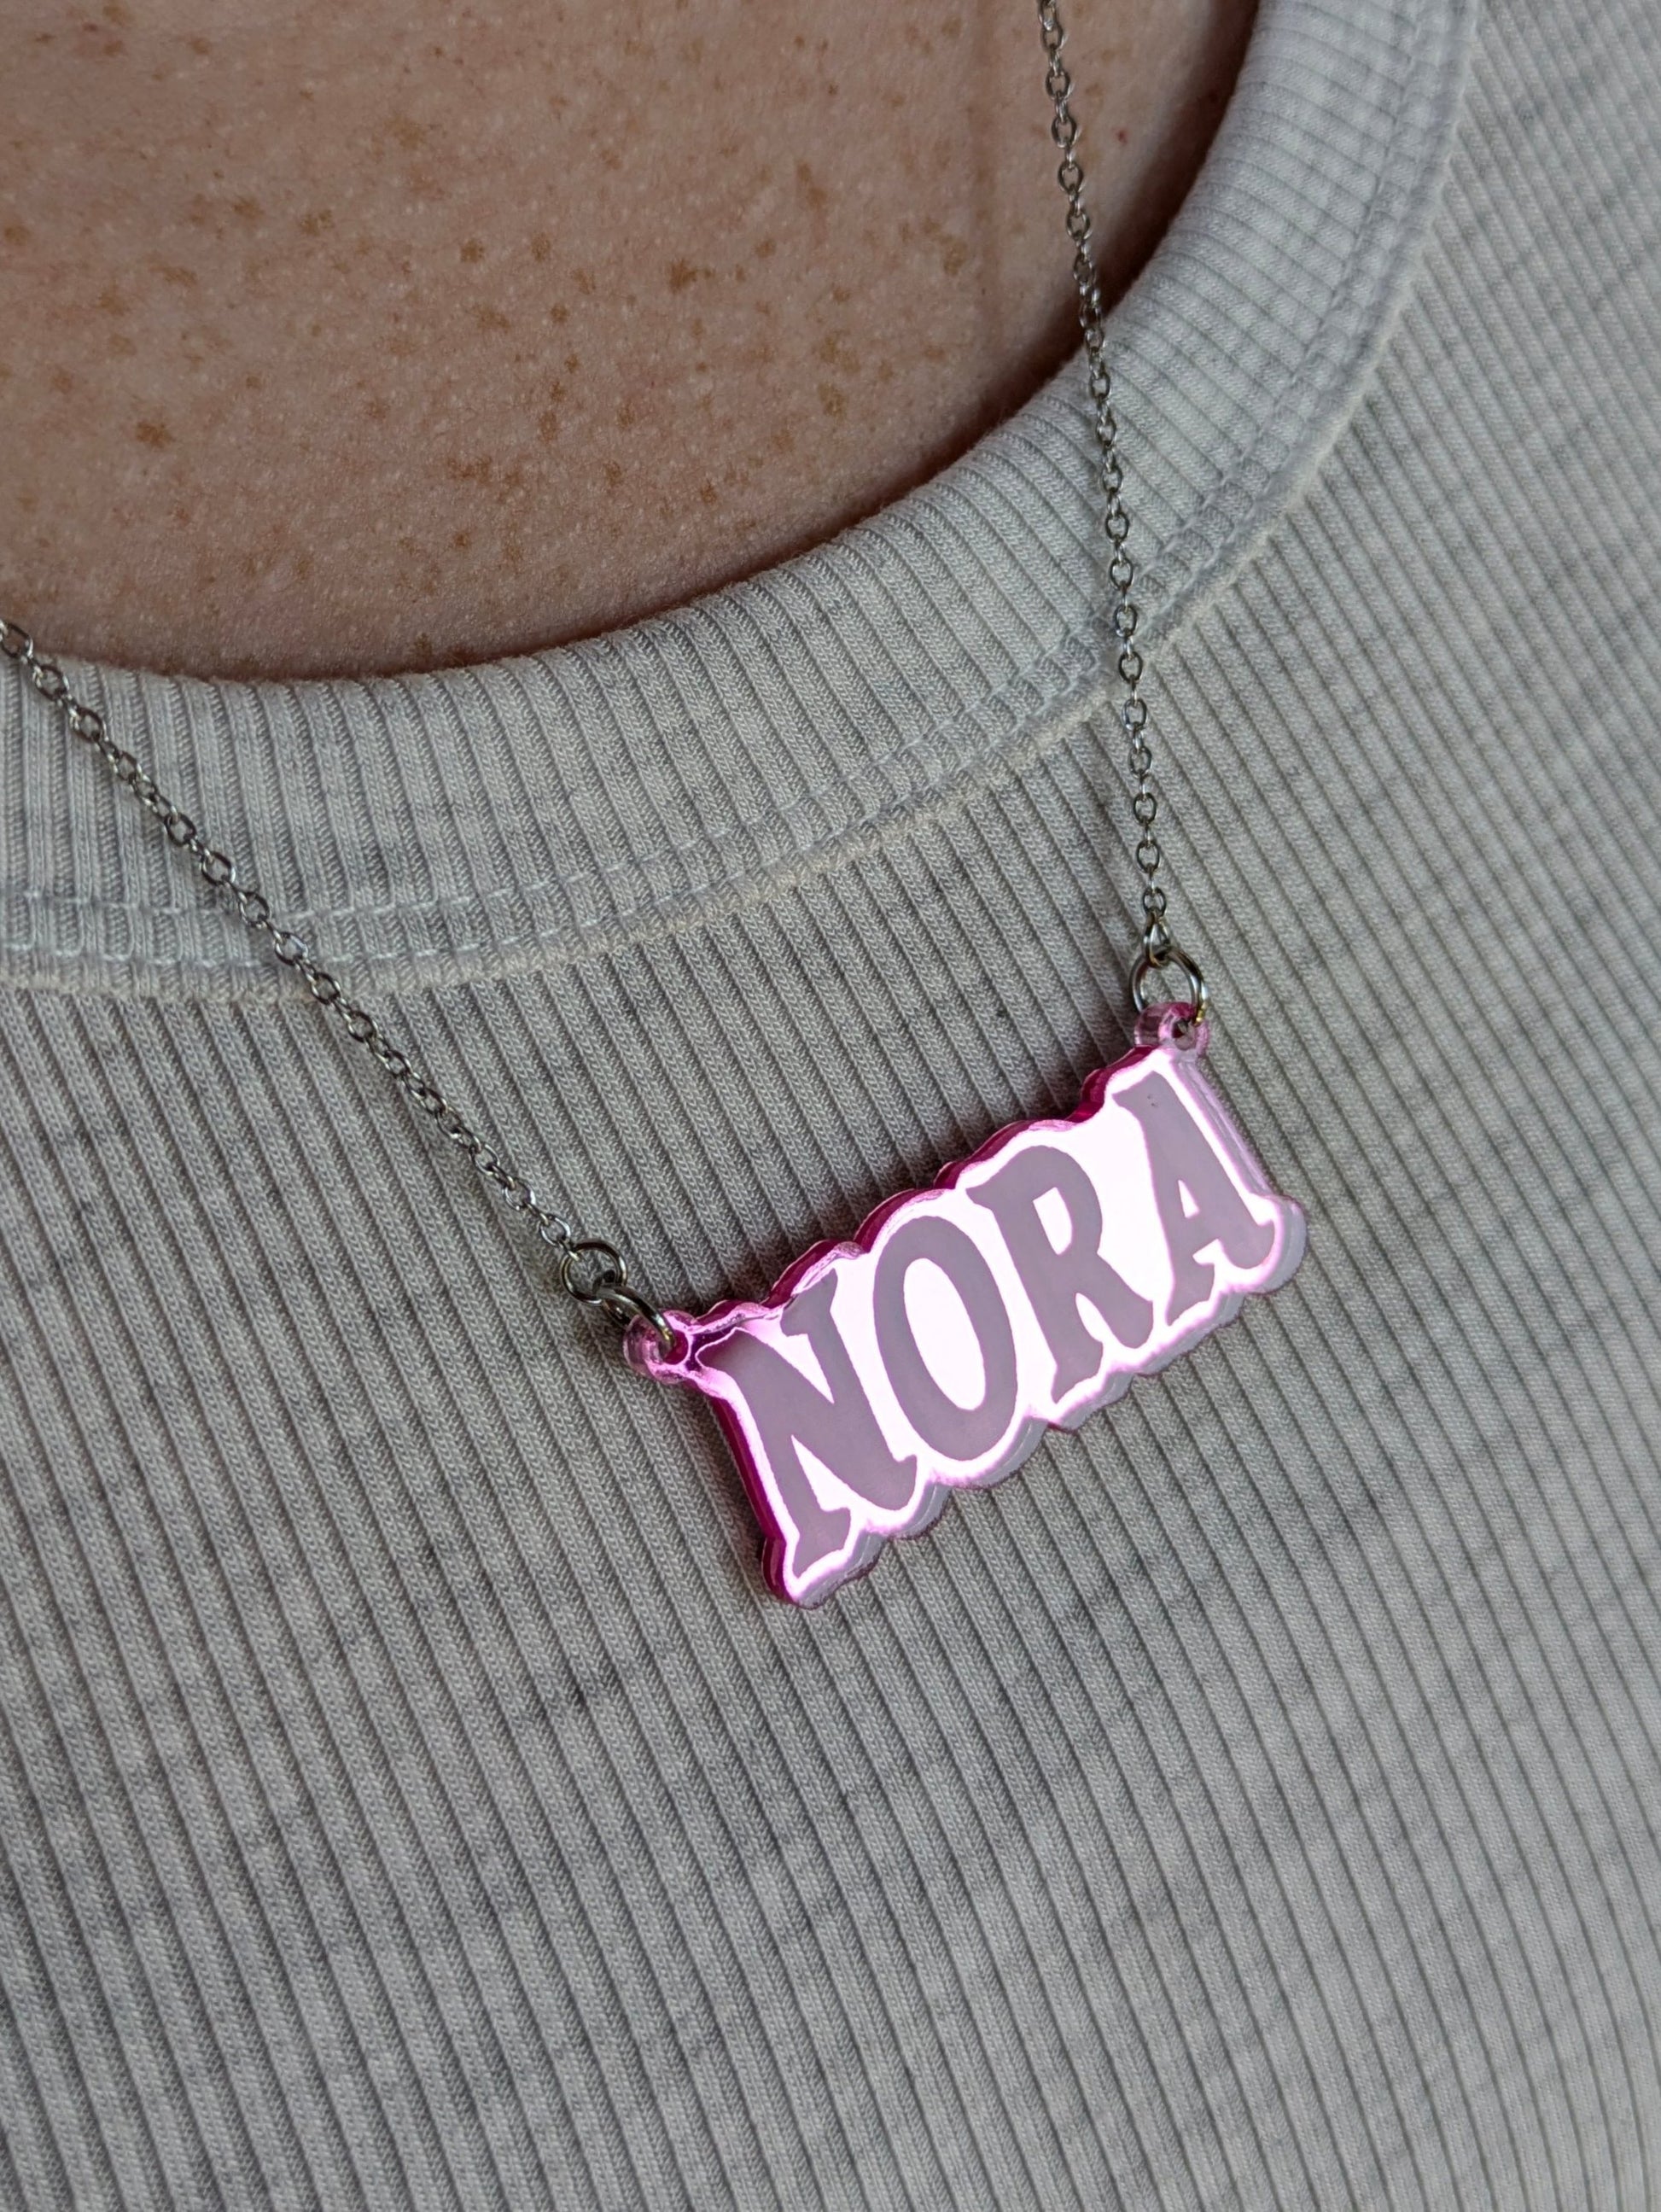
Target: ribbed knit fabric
<point>408,1794</point>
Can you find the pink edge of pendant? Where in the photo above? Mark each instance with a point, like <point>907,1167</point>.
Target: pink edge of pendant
<point>894,1415</point>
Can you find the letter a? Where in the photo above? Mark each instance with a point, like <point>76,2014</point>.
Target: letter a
<point>1055,1281</point>
<point>840,1430</point>
<point>1182,1160</point>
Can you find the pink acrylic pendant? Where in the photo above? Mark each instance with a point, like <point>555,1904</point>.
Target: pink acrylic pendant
<point>1022,1291</point>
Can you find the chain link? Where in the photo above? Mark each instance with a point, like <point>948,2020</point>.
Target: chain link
<point>588,1270</point>
<point>1160,949</point>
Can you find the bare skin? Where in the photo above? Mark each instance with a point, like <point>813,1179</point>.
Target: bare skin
<point>347,337</point>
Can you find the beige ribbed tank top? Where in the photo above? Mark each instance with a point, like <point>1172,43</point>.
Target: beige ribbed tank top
<point>408,1794</point>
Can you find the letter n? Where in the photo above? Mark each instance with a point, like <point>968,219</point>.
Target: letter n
<point>787,1410</point>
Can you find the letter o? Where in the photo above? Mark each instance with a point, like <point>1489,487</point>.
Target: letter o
<point>957,1433</point>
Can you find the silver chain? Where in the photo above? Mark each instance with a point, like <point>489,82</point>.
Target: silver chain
<point>1160,949</point>
<point>588,1268</point>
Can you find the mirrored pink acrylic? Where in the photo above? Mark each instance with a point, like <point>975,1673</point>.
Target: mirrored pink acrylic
<point>1023,1290</point>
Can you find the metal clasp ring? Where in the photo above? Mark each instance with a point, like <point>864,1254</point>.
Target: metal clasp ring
<point>607,1287</point>
<point>1153,961</point>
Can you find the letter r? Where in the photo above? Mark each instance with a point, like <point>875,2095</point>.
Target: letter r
<point>1055,1281</point>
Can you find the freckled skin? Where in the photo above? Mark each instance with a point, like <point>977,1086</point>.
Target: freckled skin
<point>396,333</point>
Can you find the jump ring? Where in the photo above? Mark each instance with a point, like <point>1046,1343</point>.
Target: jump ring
<point>608,1287</point>
<point>609,1271</point>
<point>1149,963</point>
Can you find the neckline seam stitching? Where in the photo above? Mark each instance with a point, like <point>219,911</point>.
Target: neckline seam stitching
<point>1080,641</point>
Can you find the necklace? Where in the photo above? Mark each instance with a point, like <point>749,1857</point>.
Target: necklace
<point>1023,1290</point>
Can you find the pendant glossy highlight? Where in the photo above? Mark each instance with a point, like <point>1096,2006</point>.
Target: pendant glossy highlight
<point>1022,1291</point>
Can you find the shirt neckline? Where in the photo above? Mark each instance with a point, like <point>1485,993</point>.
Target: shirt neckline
<point>431,828</point>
